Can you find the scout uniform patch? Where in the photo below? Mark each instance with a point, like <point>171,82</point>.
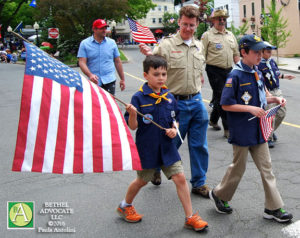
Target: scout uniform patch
<point>148,116</point>
<point>246,97</point>
<point>219,46</point>
<point>173,114</point>
<point>228,83</point>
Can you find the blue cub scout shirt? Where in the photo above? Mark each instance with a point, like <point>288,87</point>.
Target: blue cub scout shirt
<point>241,88</point>
<point>270,82</point>
<point>154,146</point>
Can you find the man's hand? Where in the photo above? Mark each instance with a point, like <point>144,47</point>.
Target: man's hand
<point>122,84</point>
<point>94,78</point>
<point>145,50</point>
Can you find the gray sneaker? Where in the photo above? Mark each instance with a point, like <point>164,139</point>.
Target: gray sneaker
<point>279,215</point>
<point>220,205</point>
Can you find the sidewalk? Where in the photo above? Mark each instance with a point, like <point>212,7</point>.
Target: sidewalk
<point>289,64</point>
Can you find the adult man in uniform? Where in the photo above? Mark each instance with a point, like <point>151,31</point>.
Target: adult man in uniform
<point>99,56</point>
<point>185,65</point>
<point>220,51</point>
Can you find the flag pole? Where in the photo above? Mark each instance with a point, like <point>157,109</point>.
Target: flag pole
<point>19,36</point>
<point>125,104</point>
<point>153,122</point>
<point>22,38</point>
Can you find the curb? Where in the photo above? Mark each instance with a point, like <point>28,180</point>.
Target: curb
<point>290,70</point>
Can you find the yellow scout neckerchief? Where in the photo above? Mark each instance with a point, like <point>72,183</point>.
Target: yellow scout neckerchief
<point>154,95</point>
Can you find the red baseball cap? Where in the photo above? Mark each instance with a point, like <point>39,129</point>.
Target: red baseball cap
<point>99,23</point>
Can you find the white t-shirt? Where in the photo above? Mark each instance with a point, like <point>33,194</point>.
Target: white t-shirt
<point>188,42</point>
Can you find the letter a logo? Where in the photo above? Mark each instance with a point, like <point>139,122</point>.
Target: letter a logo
<point>20,215</point>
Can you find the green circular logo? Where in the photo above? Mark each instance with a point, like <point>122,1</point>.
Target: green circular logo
<point>20,214</point>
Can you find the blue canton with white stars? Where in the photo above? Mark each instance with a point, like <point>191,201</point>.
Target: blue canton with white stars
<point>132,24</point>
<point>39,63</point>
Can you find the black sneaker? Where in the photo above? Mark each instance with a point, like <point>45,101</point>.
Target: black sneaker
<point>271,144</point>
<point>279,215</point>
<point>215,126</point>
<point>156,179</point>
<point>220,205</point>
<point>274,137</point>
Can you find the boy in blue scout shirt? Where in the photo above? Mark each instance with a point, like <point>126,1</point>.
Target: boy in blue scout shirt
<point>271,75</point>
<point>244,96</point>
<point>155,146</point>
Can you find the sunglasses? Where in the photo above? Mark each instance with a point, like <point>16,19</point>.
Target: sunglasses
<point>222,19</point>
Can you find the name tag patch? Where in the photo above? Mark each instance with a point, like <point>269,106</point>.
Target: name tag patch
<point>219,46</point>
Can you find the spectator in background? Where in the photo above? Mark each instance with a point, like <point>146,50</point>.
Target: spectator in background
<point>99,56</point>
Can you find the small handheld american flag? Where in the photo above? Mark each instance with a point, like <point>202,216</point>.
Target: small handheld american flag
<point>266,122</point>
<point>141,34</point>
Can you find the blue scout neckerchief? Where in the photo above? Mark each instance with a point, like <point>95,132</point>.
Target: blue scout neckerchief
<point>261,90</point>
<point>267,62</point>
<point>159,97</point>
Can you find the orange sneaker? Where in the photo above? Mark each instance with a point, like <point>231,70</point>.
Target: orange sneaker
<point>195,222</point>
<point>129,214</point>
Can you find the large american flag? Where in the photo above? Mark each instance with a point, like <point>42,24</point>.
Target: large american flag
<point>68,124</point>
<point>140,33</point>
<point>266,122</point>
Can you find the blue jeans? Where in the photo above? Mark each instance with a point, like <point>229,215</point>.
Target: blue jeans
<point>193,121</point>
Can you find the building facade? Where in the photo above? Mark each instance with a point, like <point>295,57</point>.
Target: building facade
<point>154,17</point>
<point>251,10</point>
<point>153,20</point>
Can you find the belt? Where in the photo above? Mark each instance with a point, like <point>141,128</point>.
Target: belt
<point>185,97</point>
<point>216,67</point>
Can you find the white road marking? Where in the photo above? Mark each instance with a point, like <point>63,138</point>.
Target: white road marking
<point>292,230</point>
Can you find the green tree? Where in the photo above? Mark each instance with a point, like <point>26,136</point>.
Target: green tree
<point>205,9</point>
<point>274,27</point>
<point>240,31</point>
<point>74,18</point>
<point>170,22</point>
<point>13,12</point>
<point>138,9</point>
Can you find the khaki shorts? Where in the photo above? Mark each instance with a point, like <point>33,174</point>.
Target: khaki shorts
<point>169,171</point>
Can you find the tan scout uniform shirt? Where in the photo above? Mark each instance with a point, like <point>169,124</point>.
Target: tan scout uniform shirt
<point>219,49</point>
<point>185,64</point>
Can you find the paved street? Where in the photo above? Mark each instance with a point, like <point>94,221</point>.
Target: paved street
<point>94,197</point>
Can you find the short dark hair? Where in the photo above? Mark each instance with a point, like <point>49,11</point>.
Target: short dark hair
<point>247,49</point>
<point>154,61</point>
<point>189,11</point>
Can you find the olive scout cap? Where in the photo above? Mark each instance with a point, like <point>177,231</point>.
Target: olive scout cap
<point>253,42</point>
<point>219,13</point>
